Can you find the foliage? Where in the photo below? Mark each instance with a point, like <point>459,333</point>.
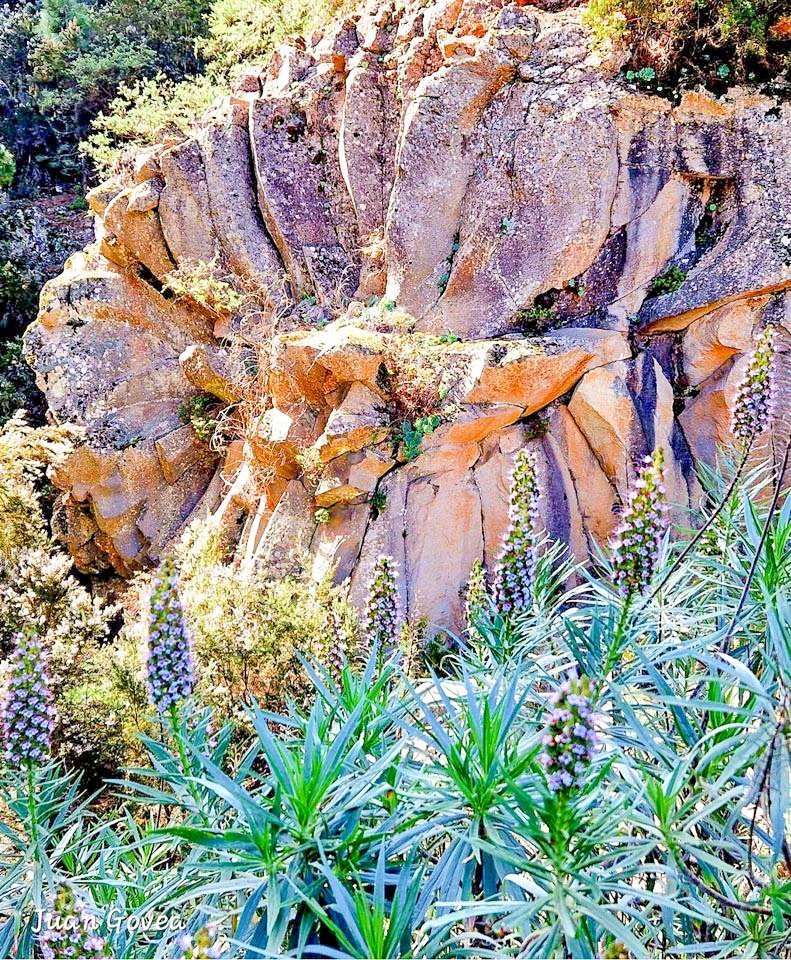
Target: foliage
<point>232,35</point>
<point>95,705</point>
<point>676,43</point>
<point>142,113</point>
<point>396,816</point>
<point>413,434</point>
<point>420,374</point>
<point>32,248</point>
<point>537,318</point>
<point>201,412</point>
<point>7,166</point>
<point>17,383</point>
<point>64,61</point>
<point>202,283</point>
<point>246,31</point>
<point>669,281</point>
<point>249,633</point>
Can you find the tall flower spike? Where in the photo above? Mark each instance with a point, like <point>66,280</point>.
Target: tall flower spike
<point>381,615</point>
<point>753,405</point>
<point>570,739</point>
<point>28,712</point>
<point>636,544</point>
<point>514,575</point>
<point>169,665</point>
<point>339,640</point>
<point>476,598</point>
<point>68,930</point>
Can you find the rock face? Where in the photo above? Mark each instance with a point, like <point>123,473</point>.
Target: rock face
<point>450,230</point>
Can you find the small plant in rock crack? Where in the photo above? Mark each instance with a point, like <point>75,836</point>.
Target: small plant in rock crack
<point>378,504</point>
<point>536,318</point>
<point>444,278</point>
<point>669,281</point>
<point>322,515</point>
<point>419,378</point>
<point>204,283</point>
<point>201,412</point>
<point>412,434</point>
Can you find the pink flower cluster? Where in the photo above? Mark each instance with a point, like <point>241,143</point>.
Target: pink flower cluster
<point>513,578</point>
<point>68,930</point>
<point>570,739</point>
<point>753,405</point>
<point>28,715</point>
<point>636,545</point>
<point>169,666</point>
<point>381,615</point>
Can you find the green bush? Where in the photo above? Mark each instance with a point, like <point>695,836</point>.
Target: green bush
<point>7,166</point>
<point>142,112</point>
<point>249,632</point>
<point>685,41</point>
<point>37,586</point>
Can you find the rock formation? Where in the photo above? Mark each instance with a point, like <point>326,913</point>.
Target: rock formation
<point>450,229</point>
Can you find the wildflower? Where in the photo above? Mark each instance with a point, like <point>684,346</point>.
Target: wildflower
<point>28,712</point>
<point>477,596</point>
<point>339,640</point>
<point>514,574</point>
<point>169,665</point>
<point>381,616</point>
<point>753,405</point>
<point>570,739</point>
<point>205,945</point>
<point>68,930</point>
<point>638,539</point>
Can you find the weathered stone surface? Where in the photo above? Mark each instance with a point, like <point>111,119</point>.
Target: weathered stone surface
<point>562,263</point>
<point>353,477</point>
<point>208,372</point>
<point>184,208</point>
<point>717,336</point>
<point>534,372</point>
<point>625,410</point>
<point>360,421</point>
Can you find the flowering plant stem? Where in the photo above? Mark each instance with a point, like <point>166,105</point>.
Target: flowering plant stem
<point>186,767</point>
<point>618,634</point>
<point>31,805</point>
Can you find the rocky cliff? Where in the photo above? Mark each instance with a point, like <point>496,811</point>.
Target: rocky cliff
<point>439,232</point>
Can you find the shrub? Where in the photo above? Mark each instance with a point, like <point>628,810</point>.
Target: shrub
<point>7,166</point>
<point>249,633</point>
<point>142,113</point>
<point>685,41</point>
<point>202,283</point>
<point>17,382</point>
<point>420,374</point>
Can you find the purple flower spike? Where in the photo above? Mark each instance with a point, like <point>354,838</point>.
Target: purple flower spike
<point>570,739</point>
<point>753,405</point>
<point>68,930</point>
<point>476,599</point>
<point>515,571</point>
<point>636,544</point>
<point>381,615</point>
<point>169,666</point>
<point>28,712</point>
